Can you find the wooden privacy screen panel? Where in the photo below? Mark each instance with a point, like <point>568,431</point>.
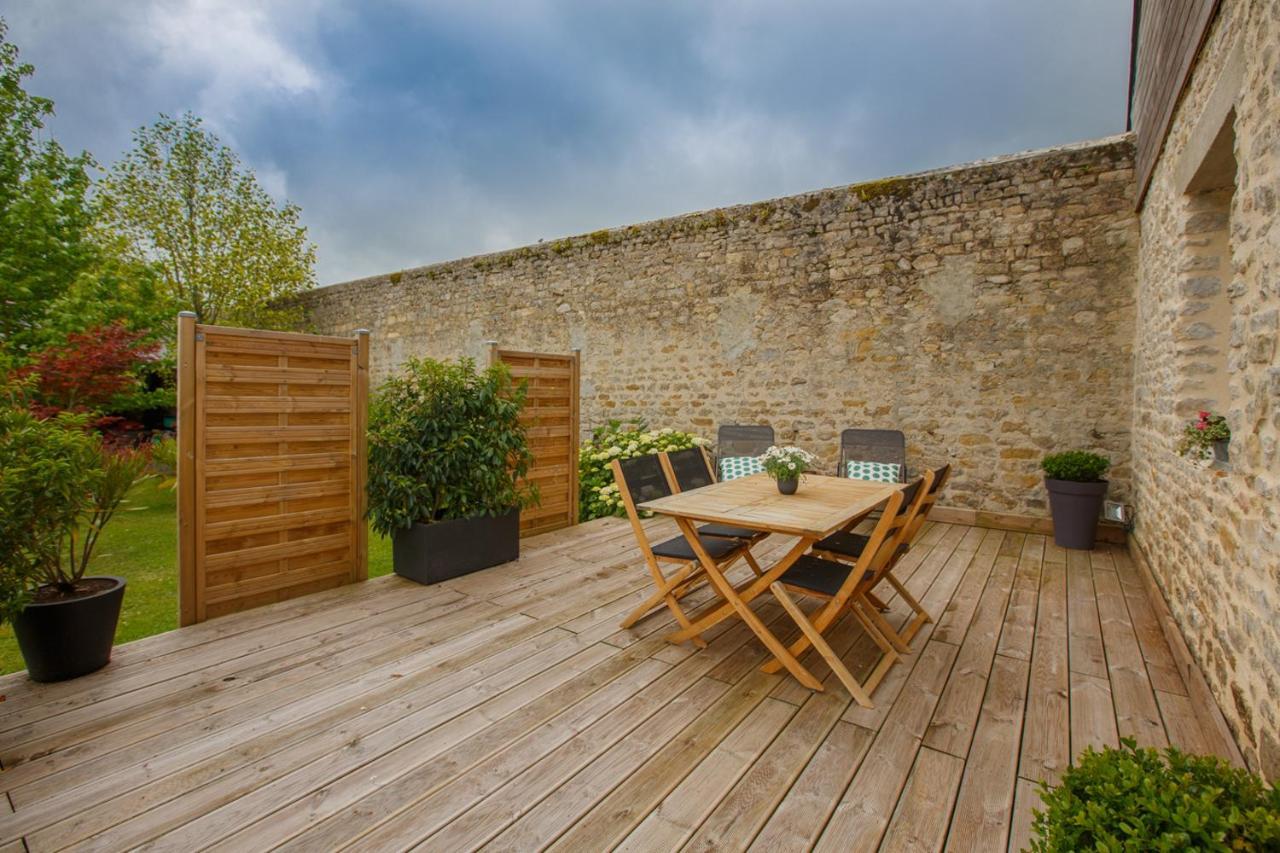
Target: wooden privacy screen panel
<point>551,417</point>
<point>271,470</point>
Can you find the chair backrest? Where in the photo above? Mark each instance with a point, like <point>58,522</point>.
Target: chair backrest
<point>743,440</point>
<point>937,479</point>
<point>640,479</point>
<point>688,469</point>
<point>882,542</point>
<point>873,445</point>
<point>890,533</point>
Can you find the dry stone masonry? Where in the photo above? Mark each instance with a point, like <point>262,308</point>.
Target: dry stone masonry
<point>986,310</point>
<point>1208,301</point>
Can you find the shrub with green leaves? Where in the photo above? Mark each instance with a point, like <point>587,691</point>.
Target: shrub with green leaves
<point>59,486</point>
<point>599,496</point>
<point>1077,466</point>
<point>1131,799</point>
<point>445,441</point>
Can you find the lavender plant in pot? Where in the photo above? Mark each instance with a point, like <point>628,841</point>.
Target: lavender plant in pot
<point>1076,492</point>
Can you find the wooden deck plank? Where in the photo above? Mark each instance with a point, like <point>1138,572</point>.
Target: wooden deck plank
<point>525,790</point>
<point>1026,798</point>
<point>953,723</point>
<point>1085,634</point>
<point>669,825</point>
<point>1137,714</point>
<point>864,811</point>
<point>1046,732</point>
<point>740,815</point>
<point>807,804</point>
<point>984,806</point>
<point>924,809</point>
<point>1093,716</point>
<point>506,710</point>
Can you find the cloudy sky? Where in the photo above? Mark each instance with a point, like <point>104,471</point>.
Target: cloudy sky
<point>413,132</point>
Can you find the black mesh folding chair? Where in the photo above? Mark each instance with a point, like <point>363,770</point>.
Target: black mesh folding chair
<point>846,546</point>
<point>644,479</point>
<point>741,443</point>
<point>844,587</point>
<point>691,469</point>
<point>873,445</point>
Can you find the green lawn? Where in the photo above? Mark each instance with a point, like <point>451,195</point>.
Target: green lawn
<point>141,545</point>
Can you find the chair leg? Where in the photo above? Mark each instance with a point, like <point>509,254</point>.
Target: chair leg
<point>877,602</point>
<point>751,561</point>
<point>887,660</point>
<point>882,625</point>
<point>666,594</point>
<point>861,696</point>
<point>922,616</point>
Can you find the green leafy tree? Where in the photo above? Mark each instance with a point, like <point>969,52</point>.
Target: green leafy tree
<point>45,216</point>
<point>59,271</point>
<point>222,246</point>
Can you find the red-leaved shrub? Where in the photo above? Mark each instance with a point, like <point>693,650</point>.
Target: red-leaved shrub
<point>88,371</point>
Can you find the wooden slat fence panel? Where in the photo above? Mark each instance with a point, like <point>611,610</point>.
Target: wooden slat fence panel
<point>1170,33</point>
<point>551,417</point>
<point>272,466</point>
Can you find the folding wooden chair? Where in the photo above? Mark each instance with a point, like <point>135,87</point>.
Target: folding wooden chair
<point>846,546</point>
<point>644,479</point>
<point>692,469</point>
<point>844,588</point>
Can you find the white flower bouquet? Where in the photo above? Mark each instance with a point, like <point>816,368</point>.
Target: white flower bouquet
<point>787,463</point>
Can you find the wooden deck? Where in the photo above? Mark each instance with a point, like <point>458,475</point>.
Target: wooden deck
<point>504,710</point>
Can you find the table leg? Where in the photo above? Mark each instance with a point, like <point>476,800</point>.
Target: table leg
<point>757,586</point>
<point>772,643</point>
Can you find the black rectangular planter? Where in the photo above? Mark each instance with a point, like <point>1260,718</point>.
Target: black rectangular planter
<point>430,553</point>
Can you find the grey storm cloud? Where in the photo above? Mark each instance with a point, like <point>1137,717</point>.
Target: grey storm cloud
<point>417,132</point>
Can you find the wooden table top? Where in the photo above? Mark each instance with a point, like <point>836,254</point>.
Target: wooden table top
<point>821,506</point>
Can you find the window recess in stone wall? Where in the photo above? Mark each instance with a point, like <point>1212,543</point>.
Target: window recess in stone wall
<point>1202,328</point>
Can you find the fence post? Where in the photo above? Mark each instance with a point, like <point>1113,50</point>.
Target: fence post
<point>575,433</point>
<point>186,468</point>
<point>360,414</point>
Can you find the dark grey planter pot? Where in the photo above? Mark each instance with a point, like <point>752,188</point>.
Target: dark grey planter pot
<point>1222,451</point>
<point>1075,508</point>
<point>430,553</point>
<point>66,639</point>
<point>788,487</point>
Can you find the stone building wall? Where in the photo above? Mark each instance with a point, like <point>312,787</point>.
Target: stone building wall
<point>1206,336</point>
<point>986,310</point>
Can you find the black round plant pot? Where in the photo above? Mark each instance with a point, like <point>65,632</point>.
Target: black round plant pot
<point>1075,507</point>
<point>65,639</point>
<point>789,486</point>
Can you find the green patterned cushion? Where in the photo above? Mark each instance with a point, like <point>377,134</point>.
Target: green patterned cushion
<point>881,472</point>
<point>732,467</point>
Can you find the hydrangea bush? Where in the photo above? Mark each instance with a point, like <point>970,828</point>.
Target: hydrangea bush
<point>619,440</point>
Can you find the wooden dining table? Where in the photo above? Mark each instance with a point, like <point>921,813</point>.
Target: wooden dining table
<point>821,506</point>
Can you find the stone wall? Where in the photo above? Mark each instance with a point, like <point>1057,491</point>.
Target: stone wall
<point>1206,335</point>
<point>986,310</point>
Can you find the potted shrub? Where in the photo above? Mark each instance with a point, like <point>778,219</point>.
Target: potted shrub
<point>59,486</point>
<point>1076,491</point>
<point>1206,439</point>
<point>447,457</point>
<point>786,465</point>
<point>1138,799</point>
